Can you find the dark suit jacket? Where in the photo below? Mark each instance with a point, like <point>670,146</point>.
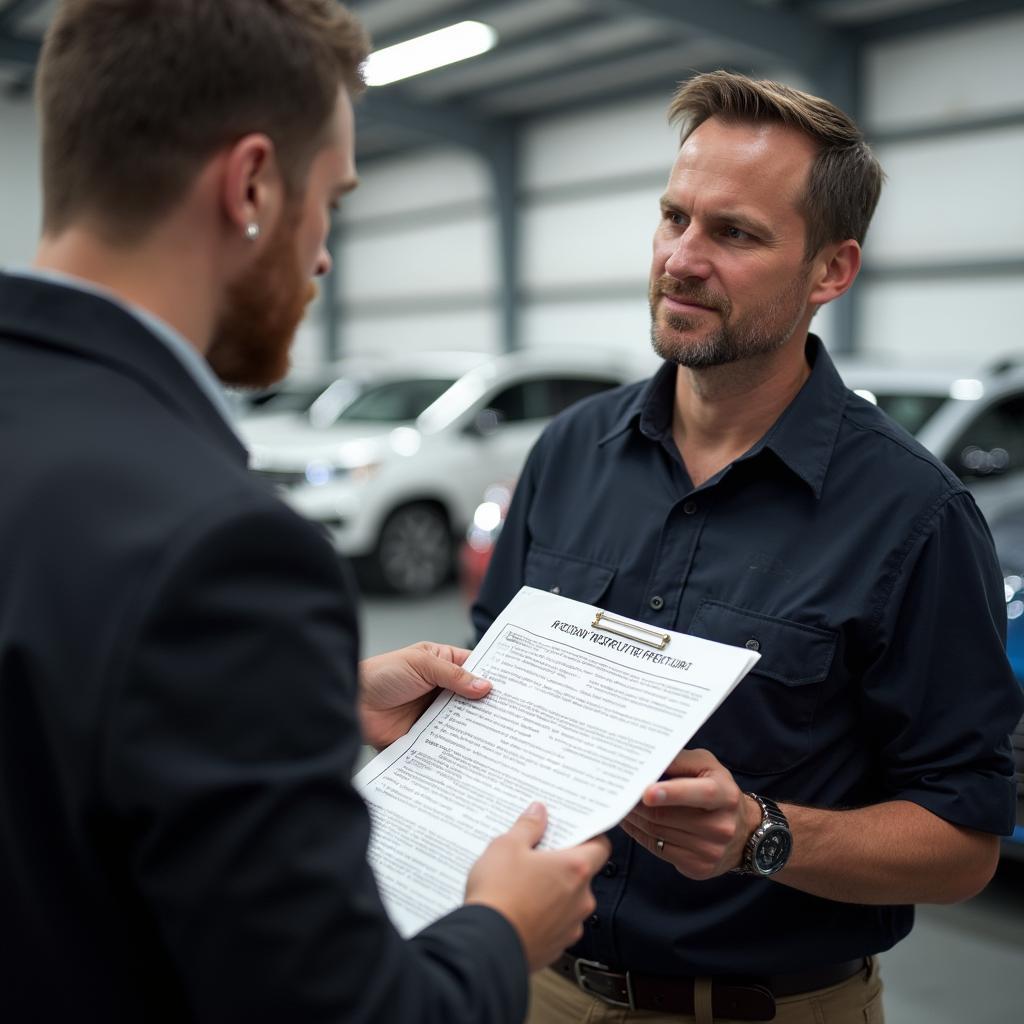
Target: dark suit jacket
<point>179,839</point>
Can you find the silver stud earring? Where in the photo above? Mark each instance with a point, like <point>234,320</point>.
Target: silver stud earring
<point>252,231</point>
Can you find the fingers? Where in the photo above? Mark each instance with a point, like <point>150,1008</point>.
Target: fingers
<point>530,825</point>
<point>447,652</point>
<point>696,778</point>
<point>694,856</point>
<point>595,853</point>
<point>448,674</point>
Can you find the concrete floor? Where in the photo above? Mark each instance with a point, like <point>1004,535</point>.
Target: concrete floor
<point>961,965</point>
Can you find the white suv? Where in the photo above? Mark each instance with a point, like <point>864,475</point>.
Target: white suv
<point>973,422</point>
<point>393,464</point>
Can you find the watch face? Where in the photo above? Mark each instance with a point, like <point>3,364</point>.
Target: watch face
<point>773,850</point>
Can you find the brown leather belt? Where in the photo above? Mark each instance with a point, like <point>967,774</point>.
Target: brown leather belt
<point>739,998</point>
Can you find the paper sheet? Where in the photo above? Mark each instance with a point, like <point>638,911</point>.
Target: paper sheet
<point>579,718</point>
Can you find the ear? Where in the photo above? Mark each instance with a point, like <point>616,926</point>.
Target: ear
<point>835,268</point>
<point>252,189</point>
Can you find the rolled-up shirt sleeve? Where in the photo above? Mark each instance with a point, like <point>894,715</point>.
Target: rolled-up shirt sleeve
<point>940,698</point>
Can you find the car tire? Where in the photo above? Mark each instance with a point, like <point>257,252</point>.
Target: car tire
<point>415,552</point>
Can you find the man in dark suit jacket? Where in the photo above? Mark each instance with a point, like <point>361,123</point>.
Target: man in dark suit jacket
<point>179,838</point>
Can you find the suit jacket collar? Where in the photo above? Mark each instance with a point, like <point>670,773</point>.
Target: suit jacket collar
<point>90,326</point>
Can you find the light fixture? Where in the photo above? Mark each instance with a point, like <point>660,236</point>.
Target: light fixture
<point>426,52</point>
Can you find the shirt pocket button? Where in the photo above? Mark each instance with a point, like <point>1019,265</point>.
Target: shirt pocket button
<point>657,603</point>
<point>753,645</point>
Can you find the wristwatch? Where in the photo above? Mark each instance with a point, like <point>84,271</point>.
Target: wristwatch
<point>769,847</point>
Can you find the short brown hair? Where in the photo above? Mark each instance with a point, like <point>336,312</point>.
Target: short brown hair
<point>135,95</point>
<point>846,178</point>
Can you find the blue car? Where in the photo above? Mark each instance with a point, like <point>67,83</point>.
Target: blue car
<point>1008,533</point>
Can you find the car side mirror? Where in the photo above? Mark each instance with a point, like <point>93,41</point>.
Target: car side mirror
<point>486,422</point>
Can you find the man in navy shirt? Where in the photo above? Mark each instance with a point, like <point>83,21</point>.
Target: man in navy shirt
<point>745,495</point>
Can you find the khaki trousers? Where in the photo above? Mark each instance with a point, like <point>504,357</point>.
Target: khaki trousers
<point>858,1000</point>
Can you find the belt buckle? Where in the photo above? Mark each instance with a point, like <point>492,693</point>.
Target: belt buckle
<point>581,981</point>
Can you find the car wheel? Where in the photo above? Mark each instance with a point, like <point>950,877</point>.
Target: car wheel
<point>415,552</point>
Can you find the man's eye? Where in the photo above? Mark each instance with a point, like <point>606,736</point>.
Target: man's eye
<point>737,234</point>
<point>674,217</point>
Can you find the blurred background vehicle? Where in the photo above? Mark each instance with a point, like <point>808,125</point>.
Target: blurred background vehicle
<point>392,463</point>
<point>294,394</point>
<point>1008,533</point>
<point>974,423</point>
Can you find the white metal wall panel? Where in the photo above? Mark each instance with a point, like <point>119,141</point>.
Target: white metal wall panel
<point>967,71</point>
<point>955,198</point>
<point>474,330</point>
<point>612,140</point>
<point>614,324</point>
<point>454,258</point>
<point>941,322</point>
<point>589,241</point>
<point>427,178</point>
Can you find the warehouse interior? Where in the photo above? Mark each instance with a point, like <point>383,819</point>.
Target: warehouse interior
<point>507,202</point>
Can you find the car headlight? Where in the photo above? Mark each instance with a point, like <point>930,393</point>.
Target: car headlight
<point>320,473</point>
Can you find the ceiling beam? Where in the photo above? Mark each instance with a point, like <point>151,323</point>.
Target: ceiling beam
<point>588,62</point>
<point>913,22</point>
<point>791,35</point>
<point>659,86</point>
<point>805,44</point>
<point>441,121</point>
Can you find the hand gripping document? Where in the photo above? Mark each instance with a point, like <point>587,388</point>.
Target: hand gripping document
<point>587,709</point>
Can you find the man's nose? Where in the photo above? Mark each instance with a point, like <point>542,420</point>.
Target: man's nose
<point>323,263</point>
<point>690,256</point>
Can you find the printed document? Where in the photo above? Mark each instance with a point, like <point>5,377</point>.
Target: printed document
<point>585,712</point>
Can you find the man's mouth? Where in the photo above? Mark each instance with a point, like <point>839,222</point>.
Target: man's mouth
<point>685,304</point>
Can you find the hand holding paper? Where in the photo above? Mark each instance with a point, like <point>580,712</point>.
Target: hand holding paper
<point>545,894</point>
<point>586,709</point>
<point>397,687</point>
<point>699,813</point>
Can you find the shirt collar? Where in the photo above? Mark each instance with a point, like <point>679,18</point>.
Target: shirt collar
<point>802,438</point>
<point>196,366</point>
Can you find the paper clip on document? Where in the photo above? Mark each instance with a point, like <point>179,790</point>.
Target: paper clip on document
<point>631,631</point>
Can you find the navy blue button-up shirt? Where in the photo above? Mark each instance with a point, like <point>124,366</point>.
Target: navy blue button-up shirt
<point>861,570</point>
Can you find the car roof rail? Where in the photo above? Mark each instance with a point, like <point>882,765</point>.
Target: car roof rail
<point>1005,363</point>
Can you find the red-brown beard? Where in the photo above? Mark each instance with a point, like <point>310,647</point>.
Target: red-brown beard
<point>253,335</point>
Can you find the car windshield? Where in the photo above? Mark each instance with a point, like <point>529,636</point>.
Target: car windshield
<point>911,411</point>
<point>396,401</point>
<point>291,399</point>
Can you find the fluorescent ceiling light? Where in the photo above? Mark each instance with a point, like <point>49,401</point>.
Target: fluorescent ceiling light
<point>424,53</point>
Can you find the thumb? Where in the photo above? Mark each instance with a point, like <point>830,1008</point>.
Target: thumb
<point>450,676</point>
<point>530,825</point>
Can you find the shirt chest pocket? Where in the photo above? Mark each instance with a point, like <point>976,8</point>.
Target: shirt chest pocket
<point>567,575</point>
<point>766,725</point>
